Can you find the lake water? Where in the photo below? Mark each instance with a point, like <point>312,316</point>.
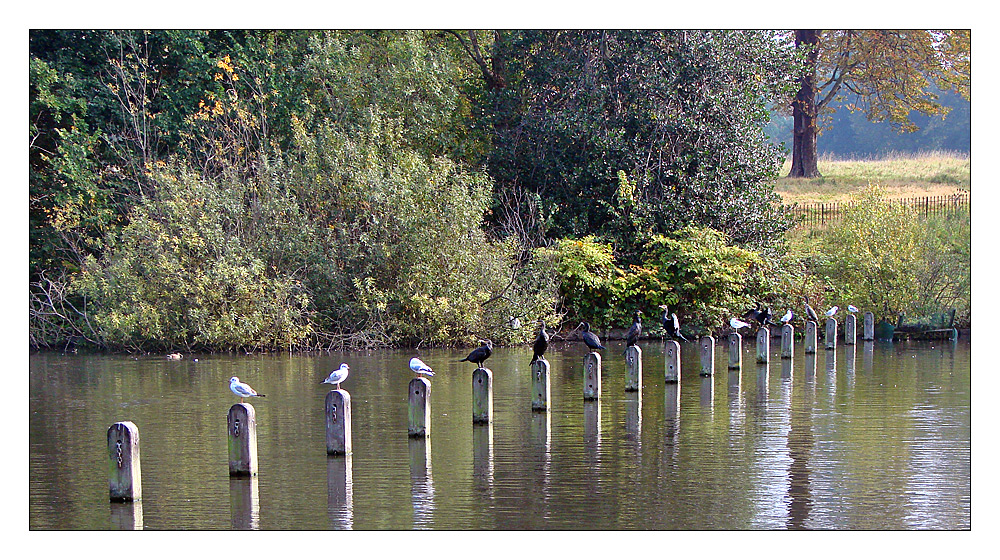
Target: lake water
<point>876,436</point>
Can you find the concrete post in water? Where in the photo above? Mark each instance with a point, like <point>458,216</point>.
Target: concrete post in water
<point>707,344</point>
<point>735,351</point>
<point>831,333</point>
<point>124,476</point>
<point>541,392</point>
<point>787,341</point>
<point>419,423</point>
<point>811,337</point>
<point>868,333</point>
<point>850,330</point>
<point>633,368</point>
<point>242,421</point>
<point>482,396</point>
<point>763,345</point>
<point>338,422</point>
<point>592,377</point>
<point>672,362</point>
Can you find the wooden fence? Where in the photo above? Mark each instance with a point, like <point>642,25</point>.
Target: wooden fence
<point>822,213</point>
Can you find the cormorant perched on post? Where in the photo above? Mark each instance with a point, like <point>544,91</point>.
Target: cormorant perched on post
<point>810,314</point>
<point>541,342</point>
<point>671,324</point>
<point>762,316</point>
<point>589,338</point>
<point>479,355</point>
<point>632,335</point>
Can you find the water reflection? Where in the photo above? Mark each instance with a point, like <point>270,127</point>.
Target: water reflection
<point>786,370</point>
<point>340,491</point>
<point>868,356</point>
<point>592,426</point>
<point>244,502</point>
<point>126,516</point>
<point>849,359</point>
<point>421,482</point>
<point>706,395</point>
<point>633,419</point>
<point>810,377</point>
<point>735,404</point>
<point>482,458</point>
<point>541,437</point>
<point>763,385</point>
<point>831,374</point>
<point>671,419</point>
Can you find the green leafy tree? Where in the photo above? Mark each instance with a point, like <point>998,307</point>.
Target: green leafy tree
<point>626,134</point>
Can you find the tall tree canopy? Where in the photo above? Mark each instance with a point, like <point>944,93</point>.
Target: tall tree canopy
<point>631,133</point>
<point>887,74</point>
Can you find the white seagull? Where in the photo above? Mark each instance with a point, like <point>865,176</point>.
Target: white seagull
<point>787,317</point>
<point>338,375</point>
<point>851,308</point>
<point>418,365</point>
<point>737,324</point>
<point>832,311</point>
<point>241,389</point>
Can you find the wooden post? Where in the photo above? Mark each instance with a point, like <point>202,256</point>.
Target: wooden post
<point>242,420</point>
<point>868,332</point>
<point>763,345</point>
<point>735,351</point>
<point>633,368</point>
<point>338,422</point>
<point>124,470</point>
<point>592,377</point>
<point>672,362</point>
<point>540,384</point>
<point>850,330</point>
<point>810,337</point>
<point>788,341</point>
<point>419,424</point>
<point>707,344</point>
<point>830,339</point>
<point>482,396</point>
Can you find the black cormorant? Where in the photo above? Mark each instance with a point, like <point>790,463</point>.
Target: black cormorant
<point>589,338</point>
<point>632,335</point>
<point>541,342</point>
<point>479,355</point>
<point>671,324</point>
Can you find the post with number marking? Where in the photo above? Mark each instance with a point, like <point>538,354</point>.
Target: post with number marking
<point>811,337</point>
<point>482,396</point>
<point>672,362</point>
<point>592,377</point>
<point>419,424</point>
<point>633,368</point>
<point>338,422</point>
<point>540,384</point>
<point>735,351</point>
<point>242,421</point>
<point>707,344</point>
<point>763,345</point>
<point>124,476</point>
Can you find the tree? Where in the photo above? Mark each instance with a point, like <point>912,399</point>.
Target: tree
<point>887,74</point>
<point>626,134</point>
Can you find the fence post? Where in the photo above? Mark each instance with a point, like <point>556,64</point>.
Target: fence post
<point>482,396</point>
<point>419,402</point>
<point>338,422</point>
<point>540,384</point>
<point>672,362</point>
<point>830,339</point>
<point>242,420</point>
<point>735,351</point>
<point>592,376</point>
<point>787,341</point>
<point>868,332</point>
<point>810,337</point>
<point>763,344</point>
<point>850,330</point>
<point>707,344</point>
<point>633,368</point>
<point>124,478</point>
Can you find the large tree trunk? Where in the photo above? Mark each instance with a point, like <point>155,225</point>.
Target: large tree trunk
<point>804,111</point>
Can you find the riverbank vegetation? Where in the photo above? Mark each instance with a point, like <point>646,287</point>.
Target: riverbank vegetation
<point>293,190</point>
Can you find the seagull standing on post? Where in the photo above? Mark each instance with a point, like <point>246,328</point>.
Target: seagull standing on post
<point>787,317</point>
<point>242,390</point>
<point>418,366</point>
<point>737,324</point>
<point>338,375</point>
<point>832,311</point>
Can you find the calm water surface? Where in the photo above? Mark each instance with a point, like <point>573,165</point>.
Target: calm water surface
<point>875,436</point>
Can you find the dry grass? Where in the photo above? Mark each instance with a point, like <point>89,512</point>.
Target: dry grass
<point>902,175</point>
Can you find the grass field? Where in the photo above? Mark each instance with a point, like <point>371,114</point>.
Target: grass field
<point>903,175</point>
